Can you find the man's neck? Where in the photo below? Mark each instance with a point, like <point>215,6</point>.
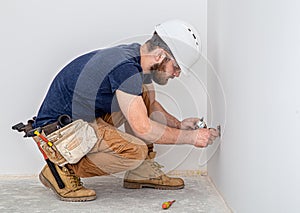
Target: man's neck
<point>145,59</point>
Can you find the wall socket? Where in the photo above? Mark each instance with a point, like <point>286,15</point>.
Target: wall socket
<point>219,129</point>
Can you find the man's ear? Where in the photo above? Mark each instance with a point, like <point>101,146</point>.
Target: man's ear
<point>159,55</point>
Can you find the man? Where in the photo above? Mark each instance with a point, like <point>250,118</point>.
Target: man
<point>113,86</point>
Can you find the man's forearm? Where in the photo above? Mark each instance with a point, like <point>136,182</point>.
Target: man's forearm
<point>142,126</point>
<point>159,114</point>
<point>160,134</point>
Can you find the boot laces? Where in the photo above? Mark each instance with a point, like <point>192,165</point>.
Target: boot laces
<point>157,167</point>
<point>74,180</point>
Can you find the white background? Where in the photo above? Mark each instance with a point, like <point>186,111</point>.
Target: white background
<point>38,38</point>
<point>255,48</point>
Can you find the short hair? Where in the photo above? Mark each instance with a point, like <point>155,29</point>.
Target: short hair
<point>155,41</point>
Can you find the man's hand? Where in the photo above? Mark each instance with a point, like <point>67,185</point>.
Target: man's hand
<point>189,123</point>
<point>205,137</point>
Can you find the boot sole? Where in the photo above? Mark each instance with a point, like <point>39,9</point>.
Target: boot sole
<point>47,184</point>
<point>135,185</point>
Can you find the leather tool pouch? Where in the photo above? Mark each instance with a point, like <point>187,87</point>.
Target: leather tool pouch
<point>70,143</point>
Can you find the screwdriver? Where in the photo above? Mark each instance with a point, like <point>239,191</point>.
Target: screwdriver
<point>167,204</point>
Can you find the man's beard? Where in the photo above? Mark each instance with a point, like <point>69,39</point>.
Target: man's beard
<point>158,73</point>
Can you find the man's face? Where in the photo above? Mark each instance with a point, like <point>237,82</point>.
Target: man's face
<point>162,72</point>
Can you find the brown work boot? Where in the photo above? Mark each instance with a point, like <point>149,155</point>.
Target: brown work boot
<point>149,174</point>
<point>73,191</point>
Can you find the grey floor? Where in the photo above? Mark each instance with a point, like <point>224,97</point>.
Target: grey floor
<point>26,194</point>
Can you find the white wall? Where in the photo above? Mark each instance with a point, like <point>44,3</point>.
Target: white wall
<point>39,37</point>
<point>255,48</point>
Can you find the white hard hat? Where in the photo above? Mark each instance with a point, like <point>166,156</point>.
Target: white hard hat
<point>183,41</point>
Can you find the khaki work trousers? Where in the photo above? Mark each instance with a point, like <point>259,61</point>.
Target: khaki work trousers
<point>115,151</point>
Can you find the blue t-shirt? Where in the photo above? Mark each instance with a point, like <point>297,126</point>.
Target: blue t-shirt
<point>85,88</point>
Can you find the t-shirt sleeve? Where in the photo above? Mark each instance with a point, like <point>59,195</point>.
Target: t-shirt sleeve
<point>126,77</point>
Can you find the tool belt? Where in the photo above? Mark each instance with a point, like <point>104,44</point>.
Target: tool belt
<point>70,141</point>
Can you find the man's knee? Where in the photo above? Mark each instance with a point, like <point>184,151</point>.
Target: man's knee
<point>139,153</point>
<point>139,150</point>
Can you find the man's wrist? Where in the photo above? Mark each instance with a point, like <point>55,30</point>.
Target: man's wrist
<point>187,137</point>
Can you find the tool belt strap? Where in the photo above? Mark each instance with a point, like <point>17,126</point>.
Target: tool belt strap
<point>48,129</point>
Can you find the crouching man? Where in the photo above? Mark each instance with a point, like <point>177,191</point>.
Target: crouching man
<point>114,86</point>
